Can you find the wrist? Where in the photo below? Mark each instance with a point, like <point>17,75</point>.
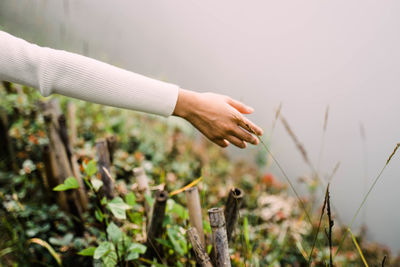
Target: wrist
<point>185,103</point>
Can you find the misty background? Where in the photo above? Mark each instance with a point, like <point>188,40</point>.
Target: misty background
<point>304,54</point>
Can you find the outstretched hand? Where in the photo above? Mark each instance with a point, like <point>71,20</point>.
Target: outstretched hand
<point>218,117</point>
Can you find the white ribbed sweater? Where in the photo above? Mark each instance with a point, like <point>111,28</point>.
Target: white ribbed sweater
<point>69,74</point>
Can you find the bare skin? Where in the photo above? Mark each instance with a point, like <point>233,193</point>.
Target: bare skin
<point>220,118</point>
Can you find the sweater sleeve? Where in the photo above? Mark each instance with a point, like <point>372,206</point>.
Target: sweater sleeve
<point>73,75</point>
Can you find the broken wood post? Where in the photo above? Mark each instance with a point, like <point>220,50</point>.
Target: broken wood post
<point>219,238</point>
<point>73,161</point>
<point>202,257</point>
<point>60,166</point>
<point>194,207</point>
<point>52,180</point>
<point>143,186</point>
<point>62,122</point>
<point>155,229</point>
<point>232,207</point>
<point>112,146</point>
<point>104,165</point>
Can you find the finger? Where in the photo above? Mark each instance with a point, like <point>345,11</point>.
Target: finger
<point>236,141</point>
<point>221,142</point>
<point>239,106</point>
<point>250,126</point>
<point>245,136</point>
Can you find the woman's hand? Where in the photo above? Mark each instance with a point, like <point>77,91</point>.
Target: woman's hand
<point>218,117</point>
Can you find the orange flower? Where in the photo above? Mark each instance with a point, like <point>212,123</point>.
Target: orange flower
<point>33,139</point>
<point>268,179</point>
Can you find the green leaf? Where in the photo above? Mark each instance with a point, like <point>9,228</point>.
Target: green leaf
<point>118,208</point>
<point>149,200</point>
<point>164,242</point>
<point>132,256</point>
<point>178,241</point>
<point>103,249</point>
<point>99,215</point>
<point>130,199</point>
<point>87,251</point>
<point>90,168</point>
<point>136,247</point>
<point>177,209</point>
<point>134,250</point>
<point>103,201</point>
<point>246,231</point>
<point>69,183</point>
<point>96,183</point>
<point>114,233</point>
<point>110,260</point>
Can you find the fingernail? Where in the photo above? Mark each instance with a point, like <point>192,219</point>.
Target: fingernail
<point>250,109</point>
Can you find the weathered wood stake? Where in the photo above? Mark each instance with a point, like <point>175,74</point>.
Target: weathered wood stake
<point>232,207</point>
<point>104,162</point>
<point>202,257</point>
<point>155,229</point>
<point>60,166</point>
<point>112,146</point>
<point>219,238</point>
<point>194,207</point>
<point>63,130</point>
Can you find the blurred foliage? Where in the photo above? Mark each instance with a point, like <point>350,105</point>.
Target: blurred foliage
<point>272,230</point>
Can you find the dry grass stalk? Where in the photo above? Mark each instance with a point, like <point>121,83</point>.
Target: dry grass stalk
<point>391,155</point>
<point>366,195</point>
<point>300,201</point>
<point>326,118</point>
<point>201,255</point>
<point>296,141</point>
<point>333,172</point>
<point>194,207</point>
<point>219,237</point>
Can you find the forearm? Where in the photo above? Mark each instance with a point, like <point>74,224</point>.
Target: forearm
<point>69,74</point>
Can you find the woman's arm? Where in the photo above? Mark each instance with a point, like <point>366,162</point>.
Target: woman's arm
<point>69,74</point>
<point>54,71</point>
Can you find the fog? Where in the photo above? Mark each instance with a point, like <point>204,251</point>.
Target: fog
<point>304,54</point>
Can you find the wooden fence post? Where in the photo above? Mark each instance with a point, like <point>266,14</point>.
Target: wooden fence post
<point>60,166</point>
<point>155,228</point>
<point>202,257</point>
<point>103,162</point>
<point>73,161</point>
<point>194,207</point>
<point>232,207</point>
<point>219,238</point>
